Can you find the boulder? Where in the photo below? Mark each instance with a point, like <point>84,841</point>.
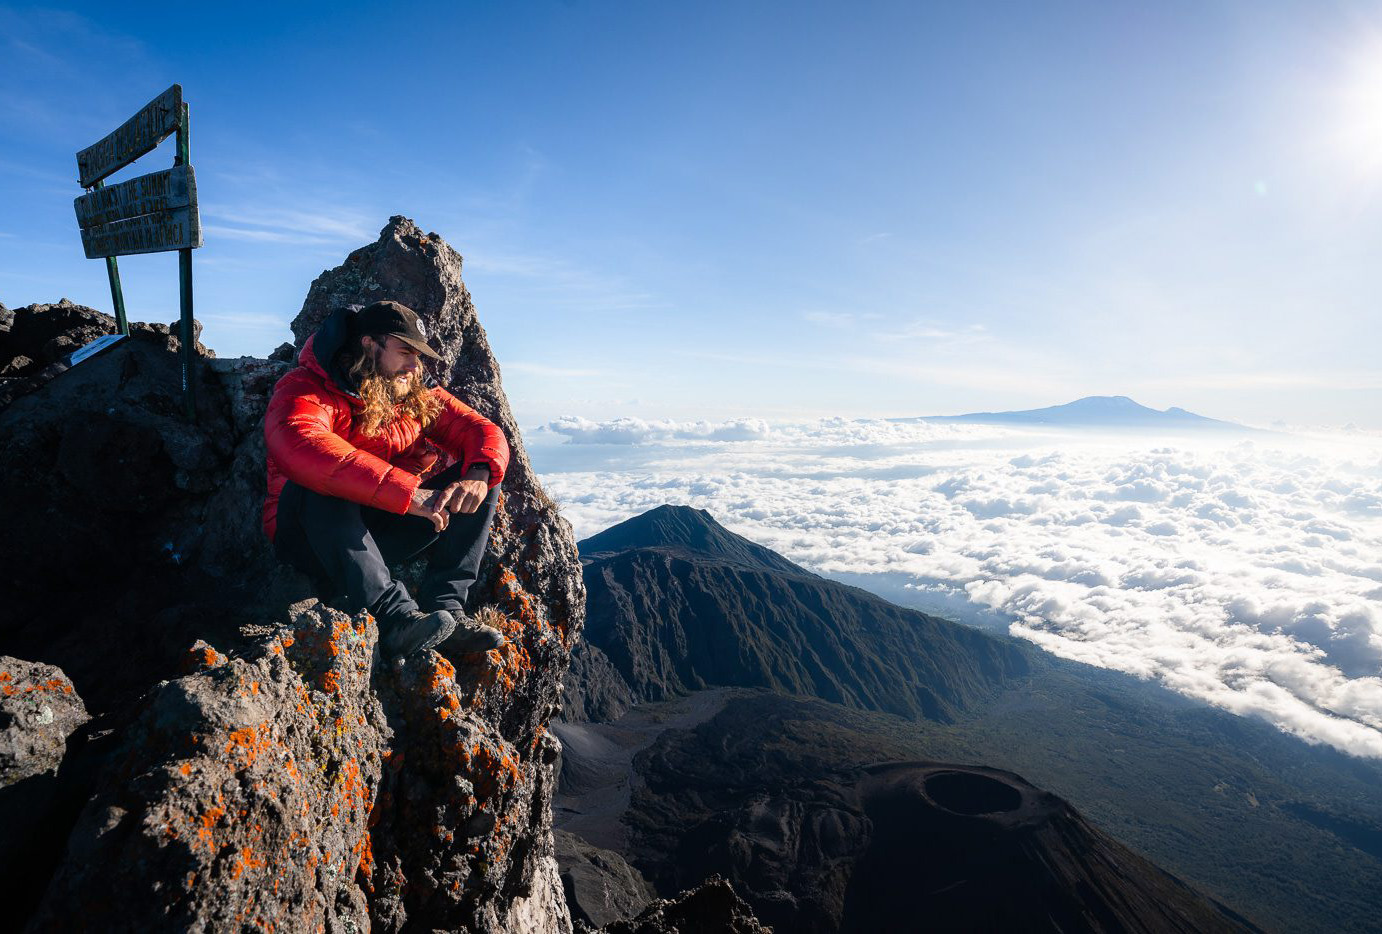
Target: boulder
<point>39,709</point>
<point>242,794</point>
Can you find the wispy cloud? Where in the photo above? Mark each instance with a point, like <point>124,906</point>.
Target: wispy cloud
<point>289,225</point>
<point>842,319</point>
<point>561,372</point>
<point>931,331</point>
<point>563,281</point>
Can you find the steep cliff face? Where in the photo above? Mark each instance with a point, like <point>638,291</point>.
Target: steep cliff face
<point>278,774</point>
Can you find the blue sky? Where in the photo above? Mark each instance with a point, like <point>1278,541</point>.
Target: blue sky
<point>774,210</point>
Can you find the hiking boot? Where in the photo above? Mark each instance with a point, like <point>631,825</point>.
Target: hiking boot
<point>471,635</point>
<point>416,632</point>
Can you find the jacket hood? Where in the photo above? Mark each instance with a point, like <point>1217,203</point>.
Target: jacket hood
<point>318,354</point>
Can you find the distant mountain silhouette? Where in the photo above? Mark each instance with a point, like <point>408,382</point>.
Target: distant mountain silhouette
<point>1094,412</point>
<point>679,603</point>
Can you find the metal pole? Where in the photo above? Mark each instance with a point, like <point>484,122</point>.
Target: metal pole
<point>189,340</point>
<point>117,297</point>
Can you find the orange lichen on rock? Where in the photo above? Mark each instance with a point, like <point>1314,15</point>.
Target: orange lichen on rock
<point>365,867</point>
<point>208,820</point>
<point>246,859</point>
<point>443,673</point>
<point>202,657</point>
<point>494,771</point>
<point>353,786</point>
<point>331,683</point>
<point>249,742</point>
<point>59,685</point>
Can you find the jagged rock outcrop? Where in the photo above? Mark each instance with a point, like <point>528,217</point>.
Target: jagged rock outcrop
<point>711,906</point>
<point>418,794</point>
<point>593,688</point>
<point>35,341</point>
<point>600,886</point>
<point>107,490</point>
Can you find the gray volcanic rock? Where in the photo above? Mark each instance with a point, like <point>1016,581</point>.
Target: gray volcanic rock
<point>41,717</point>
<point>231,541</point>
<point>38,711</point>
<point>600,887</point>
<point>593,689</point>
<point>241,796</point>
<point>679,603</point>
<point>132,534</point>
<point>38,338</point>
<point>106,491</point>
<point>709,908</point>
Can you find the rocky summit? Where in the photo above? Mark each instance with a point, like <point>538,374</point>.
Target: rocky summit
<point>189,739</point>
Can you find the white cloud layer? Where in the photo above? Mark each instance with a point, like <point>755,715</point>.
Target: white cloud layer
<point>1244,573</point>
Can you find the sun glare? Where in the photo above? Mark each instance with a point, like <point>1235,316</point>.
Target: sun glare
<point>1360,113</point>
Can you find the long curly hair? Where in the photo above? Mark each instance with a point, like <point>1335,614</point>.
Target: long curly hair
<point>382,403</point>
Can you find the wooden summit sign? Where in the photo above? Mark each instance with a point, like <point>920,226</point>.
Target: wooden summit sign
<point>158,120</point>
<point>149,214</point>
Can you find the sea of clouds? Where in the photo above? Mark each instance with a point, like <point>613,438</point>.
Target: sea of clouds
<point>1242,570</point>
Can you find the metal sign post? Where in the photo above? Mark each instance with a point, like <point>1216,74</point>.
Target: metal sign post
<point>149,214</point>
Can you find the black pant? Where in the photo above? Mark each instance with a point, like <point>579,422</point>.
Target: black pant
<point>346,549</point>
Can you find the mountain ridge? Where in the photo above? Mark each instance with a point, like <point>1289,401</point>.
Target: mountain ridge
<point>678,603</point>
<point>1092,411</point>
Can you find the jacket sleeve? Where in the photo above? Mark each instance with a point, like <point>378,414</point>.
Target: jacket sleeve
<point>469,437</point>
<point>298,433</point>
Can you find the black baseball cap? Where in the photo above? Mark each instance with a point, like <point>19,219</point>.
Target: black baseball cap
<point>397,320</point>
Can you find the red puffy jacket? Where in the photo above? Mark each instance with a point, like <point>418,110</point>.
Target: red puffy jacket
<point>313,440</point>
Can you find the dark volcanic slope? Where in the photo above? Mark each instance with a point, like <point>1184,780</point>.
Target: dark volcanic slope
<point>776,794</point>
<point>678,603</point>
<point>687,532</point>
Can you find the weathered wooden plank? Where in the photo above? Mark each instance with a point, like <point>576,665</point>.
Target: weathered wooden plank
<point>178,229</point>
<point>147,194</point>
<point>139,134</point>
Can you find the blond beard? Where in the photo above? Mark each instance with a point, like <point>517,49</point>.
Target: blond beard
<point>386,397</point>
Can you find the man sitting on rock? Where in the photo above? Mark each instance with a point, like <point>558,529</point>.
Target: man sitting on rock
<point>350,431</point>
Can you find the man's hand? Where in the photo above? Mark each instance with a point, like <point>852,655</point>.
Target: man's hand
<point>465,495</point>
<point>424,504</point>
